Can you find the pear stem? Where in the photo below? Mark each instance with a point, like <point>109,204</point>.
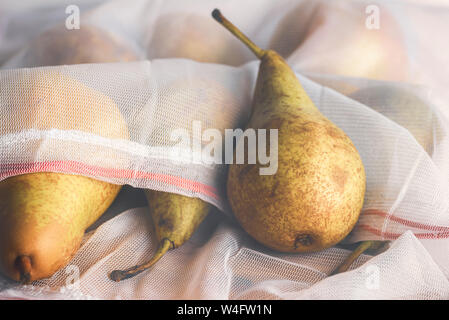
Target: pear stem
<point>23,264</point>
<point>216,14</point>
<point>118,275</point>
<point>363,246</point>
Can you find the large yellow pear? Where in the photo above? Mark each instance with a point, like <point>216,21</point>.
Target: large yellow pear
<point>314,198</point>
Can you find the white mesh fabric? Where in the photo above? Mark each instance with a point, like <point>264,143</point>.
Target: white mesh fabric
<point>399,127</point>
<point>158,98</point>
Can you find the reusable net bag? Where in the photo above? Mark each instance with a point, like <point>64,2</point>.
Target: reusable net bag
<point>393,107</point>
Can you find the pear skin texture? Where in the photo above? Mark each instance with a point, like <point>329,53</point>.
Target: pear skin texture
<point>314,199</point>
<point>44,216</point>
<point>175,217</point>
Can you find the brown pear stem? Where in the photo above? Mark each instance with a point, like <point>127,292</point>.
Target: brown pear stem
<point>363,246</point>
<point>118,275</point>
<point>23,264</point>
<point>216,14</point>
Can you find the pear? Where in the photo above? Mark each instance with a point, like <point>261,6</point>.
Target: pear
<point>192,36</point>
<point>403,107</point>
<point>52,100</point>
<point>362,50</point>
<point>314,199</point>
<point>43,218</point>
<point>89,44</point>
<point>44,215</point>
<point>175,217</point>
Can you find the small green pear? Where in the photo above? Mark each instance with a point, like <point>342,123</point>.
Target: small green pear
<point>314,199</point>
<point>175,217</point>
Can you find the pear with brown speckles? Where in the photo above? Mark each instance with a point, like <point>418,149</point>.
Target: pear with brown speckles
<point>314,199</point>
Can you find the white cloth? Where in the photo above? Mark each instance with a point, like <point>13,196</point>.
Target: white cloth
<point>386,88</point>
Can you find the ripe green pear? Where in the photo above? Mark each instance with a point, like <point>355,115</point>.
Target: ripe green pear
<point>314,199</point>
<point>175,217</point>
<point>43,217</point>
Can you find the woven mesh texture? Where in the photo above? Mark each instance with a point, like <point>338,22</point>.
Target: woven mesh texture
<point>112,120</point>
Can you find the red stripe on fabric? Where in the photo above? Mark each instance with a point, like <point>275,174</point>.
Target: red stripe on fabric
<point>392,236</point>
<point>405,222</point>
<point>8,170</point>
